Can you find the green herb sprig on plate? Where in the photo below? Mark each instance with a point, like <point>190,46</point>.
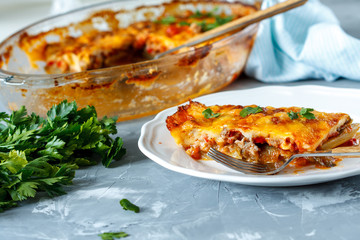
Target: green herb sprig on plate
<point>250,110</point>
<point>304,112</point>
<point>208,113</point>
<point>166,20</point>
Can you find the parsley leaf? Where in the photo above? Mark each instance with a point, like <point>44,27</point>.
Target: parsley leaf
<point>223,20</point>
<point>199,14</point>
<point>42,154</point>
<point>208,113</point>
<point>14,161</point>
<point>306,113</point>
<point>115,152</point>
<point>127,205</point>
<point>293,115</point>
<point>250,110</point>
<point>167,20</point>
<point>218,22</point>
<point>112,235</point>
<point>183,23</point>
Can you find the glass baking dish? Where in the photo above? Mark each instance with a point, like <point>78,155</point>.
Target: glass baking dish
<point>126,91</point>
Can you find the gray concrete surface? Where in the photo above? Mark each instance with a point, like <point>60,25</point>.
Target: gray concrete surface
<point>177,206</point>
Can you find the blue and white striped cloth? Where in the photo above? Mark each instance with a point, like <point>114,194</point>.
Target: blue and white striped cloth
<point>304,43</point>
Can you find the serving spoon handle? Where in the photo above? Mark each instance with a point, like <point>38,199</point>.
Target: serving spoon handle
<point>238,24</point>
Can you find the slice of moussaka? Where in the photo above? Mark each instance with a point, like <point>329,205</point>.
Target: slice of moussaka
<point>259,134</point>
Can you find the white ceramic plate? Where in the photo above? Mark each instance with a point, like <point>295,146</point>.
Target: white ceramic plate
<point>157,143</point>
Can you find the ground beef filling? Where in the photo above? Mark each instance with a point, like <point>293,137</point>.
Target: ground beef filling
<point>257,150</point>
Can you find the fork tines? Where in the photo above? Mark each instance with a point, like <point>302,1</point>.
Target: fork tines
<point>236,164</point>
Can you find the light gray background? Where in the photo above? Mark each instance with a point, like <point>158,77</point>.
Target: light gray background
<point>176,206</point>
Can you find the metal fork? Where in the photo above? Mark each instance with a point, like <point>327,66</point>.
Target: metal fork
<point>269,169</point>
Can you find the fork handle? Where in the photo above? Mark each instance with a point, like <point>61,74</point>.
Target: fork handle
<point>336,152</point>
<point>346,149</point>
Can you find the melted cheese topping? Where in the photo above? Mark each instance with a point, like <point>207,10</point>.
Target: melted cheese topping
<point>137,42</point>
<point>272,127</point>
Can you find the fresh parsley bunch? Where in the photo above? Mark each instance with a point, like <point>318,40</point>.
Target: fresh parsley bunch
<point>42,154</point>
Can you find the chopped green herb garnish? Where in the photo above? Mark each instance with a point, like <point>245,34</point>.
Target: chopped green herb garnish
<point>202,25</point>
<point>127,205</point>
<point>199,14</point>
<point>218,22</point>
<point>215,9</point>
<point>38,154</point>
<point>112,235</point>
<point>208,26</point>
<point>167,20</point>
<point>208,113</point>
<point>183,23</point>
<point>306,113</point>
<point>250,110</point>
<point>223,20</point>
<point>293,115</point>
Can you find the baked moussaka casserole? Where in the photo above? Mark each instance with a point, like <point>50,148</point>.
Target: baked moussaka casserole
<point>260,134</point>
<point>140,41</point>
<point>104,56</point>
